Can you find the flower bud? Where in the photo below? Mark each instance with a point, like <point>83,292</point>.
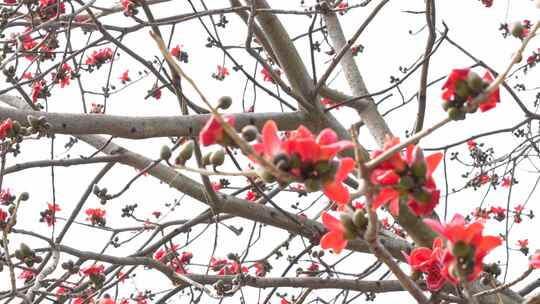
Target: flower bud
<point>348,224</point>
<point>217,158</point>
<point>24,196</point>
<point>461,250</point>
<point>406,182</point>
<point>419,170</point>
<point>446,104</point>
<point>517,29</point>
<point>16,127</point>
<point>322,166</point>
<point>32,121</point>
<point>224,102</point>
<point>206,159</point>
<point>186,152</point>
<point>19,255</point>
<point>359,219</point>
<point>25,250</point>
<point>165,152</point>
<point>474,82</point>
<point>312,184</point>
<point>96,190</point>
<point>249,133</point>
<point>422,196</point>
<point>265,175</point>
<point>462,89</point>
<point>456,114</point>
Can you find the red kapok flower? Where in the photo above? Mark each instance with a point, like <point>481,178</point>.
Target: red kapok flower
<point>335,237</point>
<point>99,57</point>
<point>96,216</point>
<point>467,247</point>
<point>267,76</point>
<point>491,101</point>
<point>63,76</point>
<point>309,158</point>
<point>93,270</point>
<point>221,73</point>
<point>534,261</point>
<point>125,77</point>
<point>5,127</point>
<point>176,51</point>
<point>456,77</point>
<point>3,216</point>
<point>27,276</point>
<point>463,85</point>
<point>212,133</point>
<point>327,102</point>
<point>429,262</point>
<point>409,177</point>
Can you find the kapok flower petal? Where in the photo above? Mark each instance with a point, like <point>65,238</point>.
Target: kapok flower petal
<point>331,223</point>
<point>337,192</point>
<point>385,195</point>
<point>271,141</point>
<point>333,240</point>
<point>327,137</point>
<point>346,165</point>
<point>432,162</point>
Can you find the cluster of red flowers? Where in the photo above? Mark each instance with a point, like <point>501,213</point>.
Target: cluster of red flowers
<point>48,215</point>
<point>63,76</point>
<point>327,103</point>
<point>179,54</point>
<point>96,216</point>
<point>221,73</point>
<point>99,57</point>
<point>171,257</point>
<point>93,270</point>
<point>408,178</point>
<point>125,77</point>
<point>429,261</point>
<point>342,7</point>
<point>461,87</point>
<point>5,128</point>
<point>308,158</point>
<point>27,276</point>
<point>97,108</point>
<point>49,9</point>
<point>465,249</point>
<point>268,77</point>
<point>533,59</point>
<point>39,90</point>
<point>34,49</point>
<point>521,29</point>
<point>226,267</point>
<point>5,194</point>
<point>129,7</point>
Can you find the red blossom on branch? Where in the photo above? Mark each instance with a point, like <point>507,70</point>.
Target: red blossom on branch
<point>96,216</point>
<point>5,128</point>
<point>463,85</point>
<point>309,158</point>
<point>466,247</point>
<point>534,261</point>
<point>409,178</point>
<point>99,57</point>
<point>428,261</point>
<point>93,270</point>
